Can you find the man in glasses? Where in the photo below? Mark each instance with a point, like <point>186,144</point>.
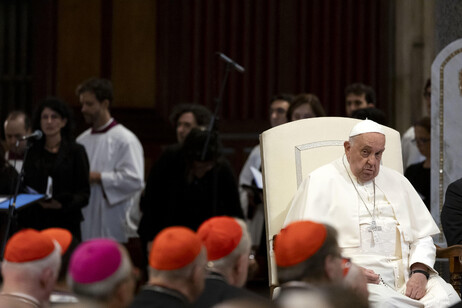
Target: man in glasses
<point>308,256</point>
<point>17,125</point>
<point>383,224</point>
<point>411,154</point>
<point>228,246</point>
<point>419,173</point>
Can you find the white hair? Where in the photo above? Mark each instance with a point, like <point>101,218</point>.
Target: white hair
<point>351,139</point>
<point>242,248</point>
<point>36,267</point>
<point>102,290</point>
<point>181,273</point>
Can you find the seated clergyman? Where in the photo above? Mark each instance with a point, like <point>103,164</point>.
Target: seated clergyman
<point>383,224</point>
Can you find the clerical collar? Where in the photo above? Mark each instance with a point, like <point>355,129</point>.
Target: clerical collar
<point>168,291</point>
<point>296,285</point>
<point>22,297</point>
<point>216,276</point>
<point>14,156</point>
<point>102,129</point>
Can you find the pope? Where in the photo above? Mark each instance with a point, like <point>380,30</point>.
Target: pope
<point>383,225</point>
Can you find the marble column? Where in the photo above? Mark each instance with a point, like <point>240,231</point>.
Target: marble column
<point>446,135</point>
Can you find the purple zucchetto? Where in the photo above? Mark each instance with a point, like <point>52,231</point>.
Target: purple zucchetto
<point>95,260</point>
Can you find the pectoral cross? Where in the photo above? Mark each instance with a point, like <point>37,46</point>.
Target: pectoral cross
<point>374,229</point>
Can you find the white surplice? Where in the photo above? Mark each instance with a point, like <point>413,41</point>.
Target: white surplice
<point>256,223</point>
<point>327,195</point>
<point>411,154</point>
<point>118,155</point>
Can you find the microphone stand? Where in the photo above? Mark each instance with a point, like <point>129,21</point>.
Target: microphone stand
<point>12,205</point>
<point>218,100</point>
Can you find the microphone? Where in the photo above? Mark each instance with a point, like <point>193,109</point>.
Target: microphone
<point>236,66</point>
<point>35,135</point>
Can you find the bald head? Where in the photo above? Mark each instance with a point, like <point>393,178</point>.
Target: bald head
<point>16,125</point>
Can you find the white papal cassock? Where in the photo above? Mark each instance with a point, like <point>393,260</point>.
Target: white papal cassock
<point>327,195</point>
<point>118,155</point>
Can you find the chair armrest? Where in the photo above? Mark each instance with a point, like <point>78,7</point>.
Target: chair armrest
<point>454,254</point>
<point>449,252</point>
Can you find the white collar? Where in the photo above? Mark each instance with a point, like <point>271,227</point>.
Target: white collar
<point>102,127</point>
<point>25,296</point>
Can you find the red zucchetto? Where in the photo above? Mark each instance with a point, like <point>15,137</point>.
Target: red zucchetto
<point>62,236</point>
<point>174,248</point>
<point>28,245</point>
<point>298,241</point>
<point>220,235</point>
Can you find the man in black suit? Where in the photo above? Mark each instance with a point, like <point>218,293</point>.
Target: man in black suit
<point>451,215</point>
<point>176,270</point>
<point>228,246</point>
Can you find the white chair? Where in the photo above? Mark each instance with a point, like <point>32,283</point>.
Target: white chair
<point>291,151</point>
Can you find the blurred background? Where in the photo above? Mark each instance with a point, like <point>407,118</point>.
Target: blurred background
<point>159,53</point>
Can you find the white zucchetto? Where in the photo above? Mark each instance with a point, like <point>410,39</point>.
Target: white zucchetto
<point>366,126</point>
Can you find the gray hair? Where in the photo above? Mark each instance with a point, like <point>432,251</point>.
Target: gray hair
<point>242,248</point>
<point>351,139</point>
<point>181,273</point>
<point>36,267</point>
<point>312,269</point>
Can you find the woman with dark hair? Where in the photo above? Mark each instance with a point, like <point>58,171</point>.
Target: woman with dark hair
<point>305,106</point>
<point>194,187</point>
<point>58,165</point>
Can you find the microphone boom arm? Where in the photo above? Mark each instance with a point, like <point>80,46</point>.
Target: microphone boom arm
<point>218,100</point>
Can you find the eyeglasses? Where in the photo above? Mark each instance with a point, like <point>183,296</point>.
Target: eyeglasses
<point>346,263</point>
<point>421,140</point>
<point>277,110</point>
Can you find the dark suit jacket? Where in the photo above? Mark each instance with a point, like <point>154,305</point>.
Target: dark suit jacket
<point>150,297</point>
<point>217,290</point>
<point>451,215</point>
<point>8,178</point>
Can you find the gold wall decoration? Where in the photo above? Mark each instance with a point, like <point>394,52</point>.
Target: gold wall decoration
<point>441,128</point>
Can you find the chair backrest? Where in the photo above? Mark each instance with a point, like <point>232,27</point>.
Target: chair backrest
<point>291,151</point>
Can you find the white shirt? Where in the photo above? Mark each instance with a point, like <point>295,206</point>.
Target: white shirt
<point>118,155</point>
